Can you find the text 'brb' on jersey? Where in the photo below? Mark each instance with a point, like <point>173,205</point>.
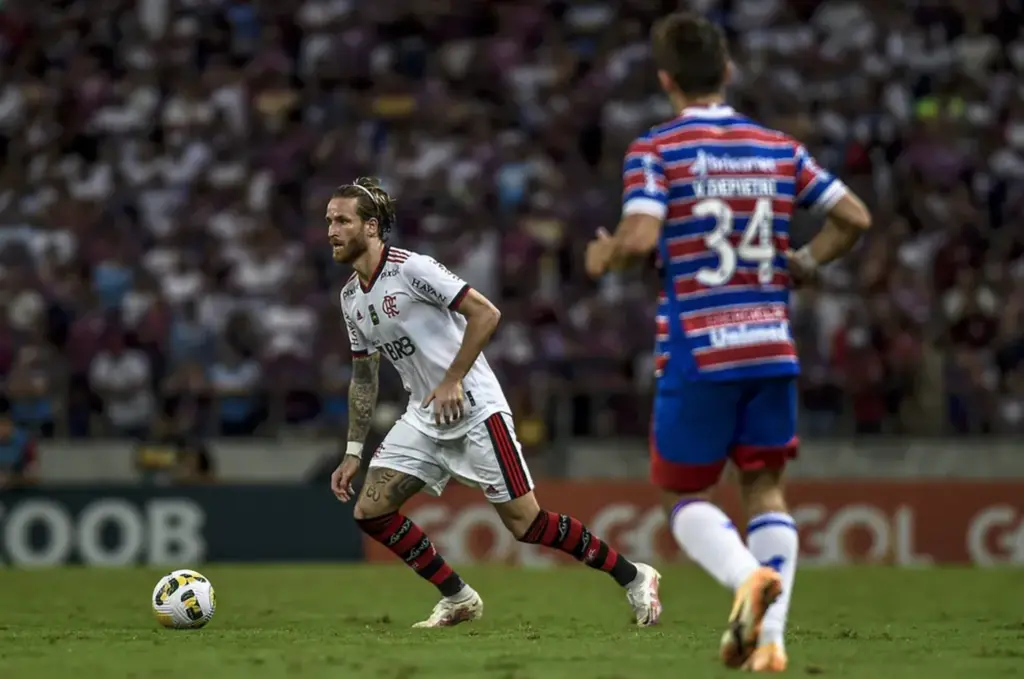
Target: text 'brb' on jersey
<point>725,188</point>
<point>406,312</point>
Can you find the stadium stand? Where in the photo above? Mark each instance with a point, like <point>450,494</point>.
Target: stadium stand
<point>166,165</point>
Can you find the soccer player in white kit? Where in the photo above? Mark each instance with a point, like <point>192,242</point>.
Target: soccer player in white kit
<point>432,327</point>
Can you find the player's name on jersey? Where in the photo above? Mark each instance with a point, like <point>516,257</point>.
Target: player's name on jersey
<point>729,187</point>
<point>707,186</point>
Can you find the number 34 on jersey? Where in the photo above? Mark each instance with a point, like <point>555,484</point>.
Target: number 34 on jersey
<point>724,189</point>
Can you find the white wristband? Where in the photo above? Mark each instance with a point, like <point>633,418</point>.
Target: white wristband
<point>355,449</point>
<point>805,259</point>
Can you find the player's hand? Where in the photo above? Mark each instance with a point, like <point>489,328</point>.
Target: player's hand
<point>599,253</point>
<point>800,274</point>
<point>447,400</point>
<point>341,479</point>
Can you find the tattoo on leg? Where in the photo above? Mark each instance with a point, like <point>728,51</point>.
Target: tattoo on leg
<point>404,488</point>
<point>376,481</point>
<point>391,487</point>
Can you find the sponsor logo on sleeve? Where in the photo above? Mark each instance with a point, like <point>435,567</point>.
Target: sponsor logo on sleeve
<point>445,270</point>
<point>353,333</point>
<point>429,290</point>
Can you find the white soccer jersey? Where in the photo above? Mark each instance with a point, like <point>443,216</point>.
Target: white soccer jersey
<point>407,313</point>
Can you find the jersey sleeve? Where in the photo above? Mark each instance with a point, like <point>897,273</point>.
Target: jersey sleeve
<point>644,188</point>
<point>431,282</point>
<point>817,189</point>
<point>356,340</point>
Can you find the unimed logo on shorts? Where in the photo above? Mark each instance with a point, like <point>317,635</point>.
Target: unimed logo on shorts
<point>910,524</point>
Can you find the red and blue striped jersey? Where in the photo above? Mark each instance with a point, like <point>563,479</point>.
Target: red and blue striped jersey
<point>725,188</point>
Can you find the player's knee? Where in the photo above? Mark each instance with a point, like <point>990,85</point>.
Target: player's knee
<point>366,509</point>
<point>761,491</point>
<point>360,513</point>
<point>518,515</point>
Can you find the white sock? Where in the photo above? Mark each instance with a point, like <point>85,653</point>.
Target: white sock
<point>709,539</point>
<point>462,595</point>
<point>773,539</point>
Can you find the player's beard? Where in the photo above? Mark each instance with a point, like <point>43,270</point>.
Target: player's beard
<point>350,251</point>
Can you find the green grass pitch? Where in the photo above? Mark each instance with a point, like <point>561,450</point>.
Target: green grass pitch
<point>353,622</point>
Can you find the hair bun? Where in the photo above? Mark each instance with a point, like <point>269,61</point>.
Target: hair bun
<point>368,182</point>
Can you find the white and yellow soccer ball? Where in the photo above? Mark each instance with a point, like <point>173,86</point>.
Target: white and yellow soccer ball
<point>183,600</point>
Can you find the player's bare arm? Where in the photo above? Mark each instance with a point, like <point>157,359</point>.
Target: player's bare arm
<point>362,395</point>
<point>634,238</point>
<point>482,319</point>
<point>362,399</point>
<point>644,209</point>
<point>847,220</point>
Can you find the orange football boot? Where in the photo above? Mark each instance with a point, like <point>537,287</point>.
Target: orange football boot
<point>752,600</point>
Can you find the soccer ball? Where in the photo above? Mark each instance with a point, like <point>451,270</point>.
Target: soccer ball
<point>183,600</point>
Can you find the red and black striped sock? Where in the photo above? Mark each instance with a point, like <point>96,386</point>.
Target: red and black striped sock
<point>568,534</point>
<point>409,543</point>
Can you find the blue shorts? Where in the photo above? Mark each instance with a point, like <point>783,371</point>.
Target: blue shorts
<point>700,426</point>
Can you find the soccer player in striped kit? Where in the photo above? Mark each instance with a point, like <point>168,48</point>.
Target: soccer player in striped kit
<point>432,327</point>
<point>711,192</point>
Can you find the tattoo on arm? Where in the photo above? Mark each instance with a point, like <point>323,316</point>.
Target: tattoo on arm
<point>390,486</point>
<point>362,396</point>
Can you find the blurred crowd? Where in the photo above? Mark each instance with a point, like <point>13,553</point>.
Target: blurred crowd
<point>166,164</point>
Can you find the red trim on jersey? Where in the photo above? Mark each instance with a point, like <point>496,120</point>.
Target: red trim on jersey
<point>661,328</point>
<point>691,246</point>
<point>724,317</point>
<point>376,272</point>
<point>718,131</point>
<point>660,361</point>
<point>782,208</point>
<point>457,299</point>
<point>688,285</point>
<point>729,357</point>
<point>509,461</point>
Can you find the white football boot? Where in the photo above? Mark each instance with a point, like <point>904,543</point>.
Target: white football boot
<point>450,611</point>
<point>642,595</point>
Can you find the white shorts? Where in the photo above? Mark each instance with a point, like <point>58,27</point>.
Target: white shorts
<point>488,457</point>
